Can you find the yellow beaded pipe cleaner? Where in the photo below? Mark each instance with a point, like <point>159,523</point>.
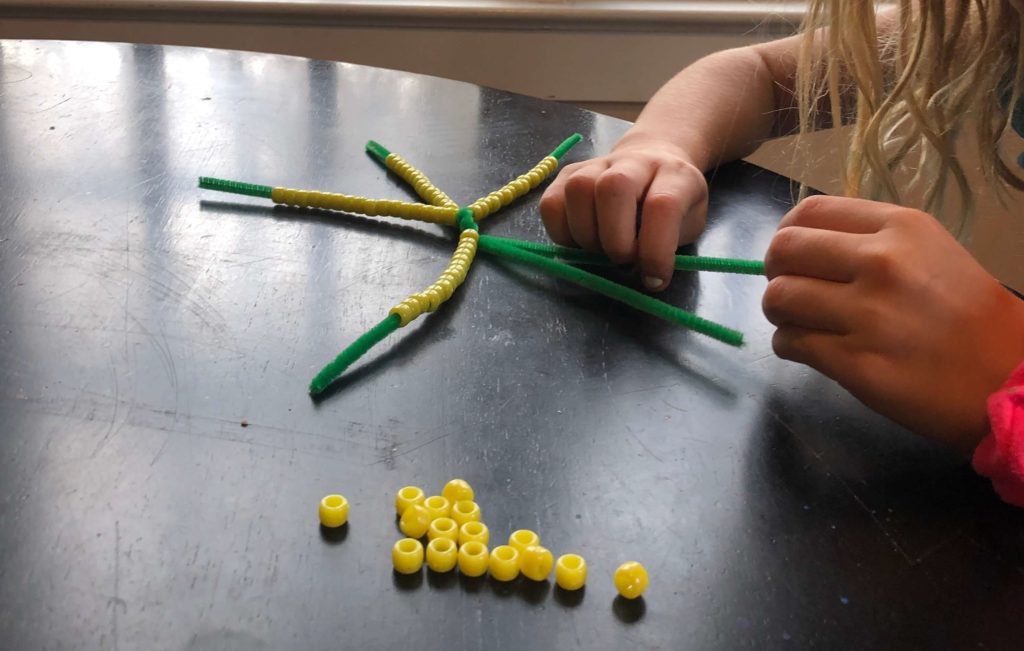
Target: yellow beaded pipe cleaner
<point>441,209</point>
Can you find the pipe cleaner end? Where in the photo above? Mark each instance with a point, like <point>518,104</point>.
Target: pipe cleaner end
<point>235,187</point>
<point>568,144</point>
<point>315,389</point>
<point>378,150</point>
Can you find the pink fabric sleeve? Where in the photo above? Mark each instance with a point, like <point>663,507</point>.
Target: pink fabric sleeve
<point>1000,456</point>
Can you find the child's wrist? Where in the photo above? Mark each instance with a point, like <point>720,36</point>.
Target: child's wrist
<point>1000,455</point>
<point>639,139</point>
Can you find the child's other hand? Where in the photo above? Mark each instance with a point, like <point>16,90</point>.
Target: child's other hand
<point>883,300</point>
<point>637,205</point>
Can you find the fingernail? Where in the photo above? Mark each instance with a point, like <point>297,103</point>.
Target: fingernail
<point>650,282</point>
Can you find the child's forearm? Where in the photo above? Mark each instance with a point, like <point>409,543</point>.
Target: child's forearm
<point>718,109</point>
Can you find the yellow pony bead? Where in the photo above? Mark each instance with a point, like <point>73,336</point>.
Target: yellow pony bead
<point>465,511</point>
<point>415,521</point>
<point>437,507</point>
<point>457,490</point>
<point>473,558</point>
<point>408,496</point>
<point>407,556</point>
<point>523,538</point>
<point>333,511</point>
<point>570,571</point>
<point>535,562</point>
<point>504,563</point>
<point>474,530</point>
<point>418,180</point>
<point>443,528</point>
<point>442,555</point>
<point>631,579</point>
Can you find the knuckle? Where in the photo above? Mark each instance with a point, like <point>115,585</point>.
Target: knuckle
<point>701,186</point>
<point>775,298</point>
<point>785,240</point>
<point>880,262</point>
<point>813,204</point>
<point>784,344</point>
<point>662,203</point>
<point>776,294</point>
<point>693,226</point>
<point>613,182</point>
<point>677,167</point>
<point>619,253</point>
<point>551,206</point>
<point>781,247</point>
<point>579,185</point>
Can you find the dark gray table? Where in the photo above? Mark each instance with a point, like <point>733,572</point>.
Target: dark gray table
<point>144,323</point>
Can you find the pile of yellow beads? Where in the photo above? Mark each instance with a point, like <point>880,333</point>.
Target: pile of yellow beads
<point>458,537</point>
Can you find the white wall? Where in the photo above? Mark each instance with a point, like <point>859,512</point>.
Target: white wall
<point>601,54</point>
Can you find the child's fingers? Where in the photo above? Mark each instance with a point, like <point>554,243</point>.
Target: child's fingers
<point>552,212</point>
<point>617,192</point>
<point>809,303</point>
<point>844,214</point>
<point>819,349</point>
<point>580,214</point>
<point>802,251</point>
<point>669,198</point>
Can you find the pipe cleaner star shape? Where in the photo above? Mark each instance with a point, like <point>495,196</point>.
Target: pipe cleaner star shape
<point>438,208</point>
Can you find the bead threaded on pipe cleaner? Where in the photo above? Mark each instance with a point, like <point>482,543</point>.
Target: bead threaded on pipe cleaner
<point>363,206</point>
<point>522,184</point>
<point>514,189</point>
<point>408,310</point>
<point>419,182</point>
<point>444,215</point>
<point>630,297</point>
<point>442,289</point>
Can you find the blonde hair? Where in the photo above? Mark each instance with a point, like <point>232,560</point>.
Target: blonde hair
<point>944,69</point>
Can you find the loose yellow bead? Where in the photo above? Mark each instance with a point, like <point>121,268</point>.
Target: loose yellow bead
<point>333,511</point>
<point>474,530</point>
<point>408,496</point>
<point>504,563</point>
<point>631,579</point>
<point>415,521</point>
<point>407,556</point>
<point>570,572</point>
<point>465,511</point>
<point>442,554</point>
<point>523,538</point>
<point>437,507</point>
<point>443,528</point>
<point>535,562</point>
<point>473,559</point>
<point>457,490</point>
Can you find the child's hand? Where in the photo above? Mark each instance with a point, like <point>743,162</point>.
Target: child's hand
<point>637,204</point>
<point>883,300</point>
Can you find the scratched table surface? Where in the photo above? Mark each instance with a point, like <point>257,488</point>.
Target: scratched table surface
<point>161,462</point>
